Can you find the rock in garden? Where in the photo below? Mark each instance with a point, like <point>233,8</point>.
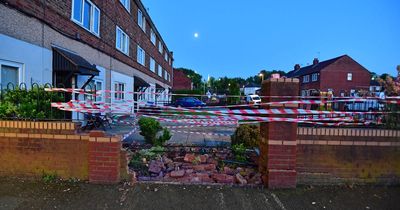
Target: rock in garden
<point>229,171</point>
<point>203,158</point>
<point>177,174</point>
<point>223,178</point>
<point>256,179</point>
<point>240,180</point>
<point>189,158</point>
<point>156,166</point>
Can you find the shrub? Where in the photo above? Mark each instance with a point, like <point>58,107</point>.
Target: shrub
<point>149,128</point>
<point>165,136</point>
<point>248,135</point>
<point>29,104</point>
<point>239,150</point>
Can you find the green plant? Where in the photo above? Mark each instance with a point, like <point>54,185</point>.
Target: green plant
<point>196,160</point>
<point>29,104</point>
<point>49,177</point>
<point>248,135</point>
<point>165,136</point>
<point>239,150</point>
<point>149,128</point>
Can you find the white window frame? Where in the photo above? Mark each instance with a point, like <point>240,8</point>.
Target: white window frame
<point>349,76</point>
<point>153,37</point>
<point>314,77</point>
<point>19,66</point>
<point>165,74</point>
<point>306,78</point>
<point>153,64</point>
<point>126,4</point>
<point>141,20</point>
<point>166,56</point>
<point>117,87</point>
<point>160,70</point>
<point>160,47</point>
<point>94,8</point>
<point>126,42</point>
<point>141,56</point>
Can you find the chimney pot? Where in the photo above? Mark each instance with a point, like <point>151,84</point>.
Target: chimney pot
<point>315,61</point>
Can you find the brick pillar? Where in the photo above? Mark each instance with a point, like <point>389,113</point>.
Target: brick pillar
<point>104,158</point>
<point>277,161</point>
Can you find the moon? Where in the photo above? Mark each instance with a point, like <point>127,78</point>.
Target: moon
<point>196,35</point>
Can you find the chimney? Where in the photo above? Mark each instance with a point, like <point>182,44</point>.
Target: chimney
<point>315,61</point>
<point>297,67</point>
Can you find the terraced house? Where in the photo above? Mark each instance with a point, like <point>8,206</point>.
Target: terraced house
<point>109,45</point>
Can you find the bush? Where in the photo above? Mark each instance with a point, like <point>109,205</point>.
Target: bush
<point>239,150</point>
<point>248,135</point>
<point>29,104</point>
<point>149,128</point>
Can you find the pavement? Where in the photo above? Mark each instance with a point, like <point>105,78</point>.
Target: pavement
<point>34,194</point>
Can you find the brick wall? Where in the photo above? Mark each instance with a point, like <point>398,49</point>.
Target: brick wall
<point>38,148</point>
<point>181,81</point>
<point>348,155</point>
<point>57,14</point>
<point>277,162</point>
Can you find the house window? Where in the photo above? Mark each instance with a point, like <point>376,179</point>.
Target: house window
<point>141,20</point>
<point>94,85</point>
<point>314,77</point>
<point>165,75</point>
<point>141,55</point>
<point>306,78</point>
<point>166,56</point>
<point>152,65</point>
<point>122,41</point>
<point>9,75</point>
<point>99,87</point>
<point>118,86</point>
<point>160,47</point>
<point>160,70</point>
<point>126,4</point>
<point>153,37</point>
<point>87,15</point>
<point>349,76</point>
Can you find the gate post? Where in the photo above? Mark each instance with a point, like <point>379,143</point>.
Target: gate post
<point>277,162</point>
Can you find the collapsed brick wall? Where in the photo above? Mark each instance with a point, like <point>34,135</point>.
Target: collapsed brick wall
<point>40,148</point>
<point>348,155</point>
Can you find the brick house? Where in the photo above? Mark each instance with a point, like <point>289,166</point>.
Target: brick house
<point>342,75</point>
<point>181,81</point>
<point>111,45</point>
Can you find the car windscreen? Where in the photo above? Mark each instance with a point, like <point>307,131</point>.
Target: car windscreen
<point>256,98</point>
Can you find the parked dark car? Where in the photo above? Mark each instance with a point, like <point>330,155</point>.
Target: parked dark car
<point>189,102</point>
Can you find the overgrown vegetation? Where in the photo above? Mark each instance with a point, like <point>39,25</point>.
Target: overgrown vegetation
<point>239,150</point>
<point>149,128</point>
<point>29,104</point>
<point>49,177</point>
<point>248,135</point>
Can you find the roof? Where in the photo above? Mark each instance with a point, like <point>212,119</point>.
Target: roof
<point>313,68</point>
<point>64,60</point>
<point>251,84</point>
<point>139,82</point>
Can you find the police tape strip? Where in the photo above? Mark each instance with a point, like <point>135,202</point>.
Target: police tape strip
<point>200,133</point>
<point>261,111</point>
<point>189,126</point>
<point>83,91</point>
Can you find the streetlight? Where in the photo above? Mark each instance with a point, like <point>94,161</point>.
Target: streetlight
<point>262,77</point>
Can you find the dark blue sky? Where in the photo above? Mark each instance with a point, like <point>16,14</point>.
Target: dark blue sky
<point>241,37</point>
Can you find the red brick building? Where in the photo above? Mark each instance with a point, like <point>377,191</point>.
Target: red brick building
<point>342,75</point>
<point>111,45</point>
<point>181,81</point>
